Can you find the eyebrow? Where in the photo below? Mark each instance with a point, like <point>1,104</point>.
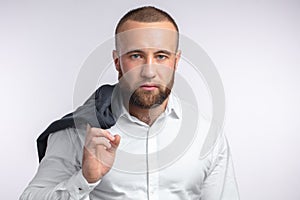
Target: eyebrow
<point>164,52</point>
<point>156,52</point>
<point>134,51</point>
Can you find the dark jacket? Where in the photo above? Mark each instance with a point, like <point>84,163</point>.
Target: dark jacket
<point>96,111</point>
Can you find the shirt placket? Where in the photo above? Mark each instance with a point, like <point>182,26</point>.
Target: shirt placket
<point>152,163</point>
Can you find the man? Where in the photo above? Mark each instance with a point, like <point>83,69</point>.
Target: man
<point>128,159</point>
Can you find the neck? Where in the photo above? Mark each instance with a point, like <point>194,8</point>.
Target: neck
<point>148,115</point>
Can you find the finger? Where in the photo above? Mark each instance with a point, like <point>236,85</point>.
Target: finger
<point>98,132</point>
<point>107,134</point>
<point>116,142</point>
<point>102,141</point>
<point>88,126</point>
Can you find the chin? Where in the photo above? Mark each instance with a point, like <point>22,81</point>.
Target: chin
<point>148,99</point>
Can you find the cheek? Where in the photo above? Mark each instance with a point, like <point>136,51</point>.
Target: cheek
<point>129,72</point>
<point>167,66</point>
<point>128,65</point>
<point>166,72</point>
<point>125,66</point>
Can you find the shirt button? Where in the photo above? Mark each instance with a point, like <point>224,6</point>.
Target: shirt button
<point>79,189</point>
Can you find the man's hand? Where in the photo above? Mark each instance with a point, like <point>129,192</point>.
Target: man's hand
<point>98,153</point>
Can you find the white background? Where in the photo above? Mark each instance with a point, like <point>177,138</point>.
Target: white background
<point>254,44</point>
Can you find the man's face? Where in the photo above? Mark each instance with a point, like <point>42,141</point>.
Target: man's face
<point>146,59</point>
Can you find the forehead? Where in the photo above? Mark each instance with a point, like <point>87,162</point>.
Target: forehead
<point>130,24</point>
<point>138,35</point>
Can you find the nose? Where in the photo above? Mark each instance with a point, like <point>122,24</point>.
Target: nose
<point>148,69</point>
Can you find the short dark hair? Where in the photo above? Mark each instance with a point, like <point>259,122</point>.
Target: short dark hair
<point>146,14</point>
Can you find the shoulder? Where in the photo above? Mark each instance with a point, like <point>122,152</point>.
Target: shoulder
<point>65,142</point>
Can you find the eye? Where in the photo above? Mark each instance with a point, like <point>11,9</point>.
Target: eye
<point>161,57</point>
<point>135,56</point>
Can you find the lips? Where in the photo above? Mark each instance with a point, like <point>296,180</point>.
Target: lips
<point>149,86</point>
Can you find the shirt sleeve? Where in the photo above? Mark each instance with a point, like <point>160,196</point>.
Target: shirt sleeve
<point>220,183</point>
<point>59,174</point>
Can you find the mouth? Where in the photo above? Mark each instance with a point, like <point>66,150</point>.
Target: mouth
<point>149,86</point>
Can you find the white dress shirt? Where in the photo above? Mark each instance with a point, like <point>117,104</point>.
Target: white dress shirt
<point>141,169</point>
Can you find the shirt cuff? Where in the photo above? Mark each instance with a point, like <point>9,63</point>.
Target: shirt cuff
<point>78,185</point>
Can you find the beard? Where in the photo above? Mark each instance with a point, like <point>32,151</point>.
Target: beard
<point>146,99</point>
<point>149,99</point>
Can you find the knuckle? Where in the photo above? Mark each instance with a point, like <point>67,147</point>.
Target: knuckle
<point>94,140</point>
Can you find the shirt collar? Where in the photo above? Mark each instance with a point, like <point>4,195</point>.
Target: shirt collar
<point>173,108</point>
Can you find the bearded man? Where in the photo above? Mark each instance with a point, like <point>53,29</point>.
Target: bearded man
<point>123,142</point>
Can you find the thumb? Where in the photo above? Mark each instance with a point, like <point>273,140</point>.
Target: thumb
<point>88,127</point>
<point>116,142</point>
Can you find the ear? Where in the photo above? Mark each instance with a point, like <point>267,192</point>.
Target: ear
<point>177,58</point>
<point>116,60</point>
